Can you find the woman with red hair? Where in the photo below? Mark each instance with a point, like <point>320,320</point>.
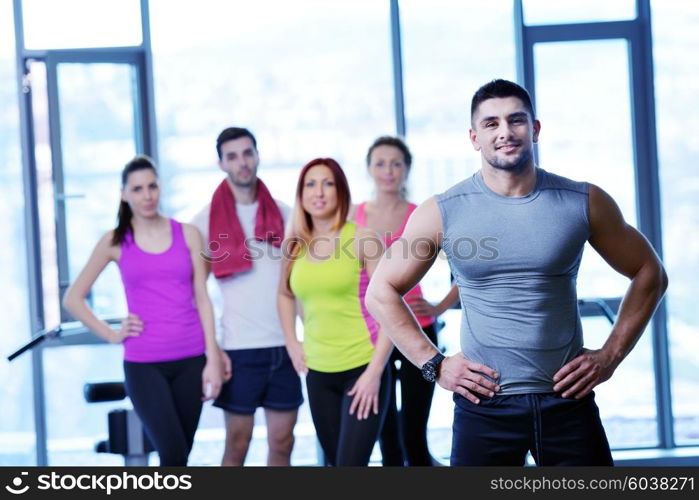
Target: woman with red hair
<point>344,363</point>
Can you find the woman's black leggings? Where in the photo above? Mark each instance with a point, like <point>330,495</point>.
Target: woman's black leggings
<point>167,398</point>
<point>345,439</point>
<point>403,438</point>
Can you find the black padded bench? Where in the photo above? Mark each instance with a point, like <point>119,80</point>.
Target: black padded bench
<point>126,434</point>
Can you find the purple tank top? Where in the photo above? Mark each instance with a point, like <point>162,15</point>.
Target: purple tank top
<point>159,289</point>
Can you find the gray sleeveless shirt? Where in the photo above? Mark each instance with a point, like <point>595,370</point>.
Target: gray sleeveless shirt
<point>515,261</point>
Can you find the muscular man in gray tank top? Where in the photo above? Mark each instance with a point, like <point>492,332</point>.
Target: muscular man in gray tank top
<point>514,235</point>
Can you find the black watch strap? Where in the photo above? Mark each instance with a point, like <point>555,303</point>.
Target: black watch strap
<point>430,370</point>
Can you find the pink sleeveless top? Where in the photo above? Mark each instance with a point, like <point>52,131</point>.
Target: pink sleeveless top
<point>389,239</point>
<point>159,289</point>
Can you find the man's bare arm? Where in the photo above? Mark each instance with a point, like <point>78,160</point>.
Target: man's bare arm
<point>628,252</point>
<point>401,268</point>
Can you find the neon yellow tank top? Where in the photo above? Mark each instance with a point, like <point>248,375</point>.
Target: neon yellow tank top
<point>336,337</point>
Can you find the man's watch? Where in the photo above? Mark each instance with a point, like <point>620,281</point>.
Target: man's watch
<point>430,370</point>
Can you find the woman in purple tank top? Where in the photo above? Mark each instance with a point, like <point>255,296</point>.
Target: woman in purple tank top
<point>172,362</point>
<point>403,439</point>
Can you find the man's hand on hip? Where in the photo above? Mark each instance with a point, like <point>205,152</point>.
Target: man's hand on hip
<point>465,377</point>
<point>579,376</point>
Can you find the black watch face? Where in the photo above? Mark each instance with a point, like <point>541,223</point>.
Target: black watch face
<point>429,372</point>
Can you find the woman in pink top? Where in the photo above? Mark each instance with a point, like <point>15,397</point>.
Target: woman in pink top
<point>404,436</point>
<point>172,362</point>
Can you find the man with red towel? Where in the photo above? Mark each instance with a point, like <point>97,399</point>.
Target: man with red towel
<point>243,227</point>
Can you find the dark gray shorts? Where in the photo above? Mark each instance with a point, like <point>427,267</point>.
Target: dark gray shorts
<point>261,378</point>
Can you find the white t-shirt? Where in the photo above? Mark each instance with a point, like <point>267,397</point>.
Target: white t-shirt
<point>249,318</point>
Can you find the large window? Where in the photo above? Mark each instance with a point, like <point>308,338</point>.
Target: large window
<point>306,85</point>
<point>314,78</point>
<point>97,139</point>
<point>675,42</point>
<point>83,23</point>
<point>577,11</point>
<point>450,48</point>
<point>17,423</point>
<point>570,97</point>
<point>84,126</point>
<point>75,426</point>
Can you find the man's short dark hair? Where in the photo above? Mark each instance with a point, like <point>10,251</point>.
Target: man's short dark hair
<point>232,133</point>
<point>501,88</point>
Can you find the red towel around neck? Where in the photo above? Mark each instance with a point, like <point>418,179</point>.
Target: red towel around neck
<point>226,236</point>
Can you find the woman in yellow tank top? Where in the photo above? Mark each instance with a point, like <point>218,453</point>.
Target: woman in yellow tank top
<point>345,371</point>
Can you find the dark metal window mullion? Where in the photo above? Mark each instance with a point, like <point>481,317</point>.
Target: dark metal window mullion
<point>648,202</point>
<point>32,234</point>
<point>58,180</point>
<point>397,57</point>
<point>638,34</point>
<point>146,95</point>
<point>141,59</point>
